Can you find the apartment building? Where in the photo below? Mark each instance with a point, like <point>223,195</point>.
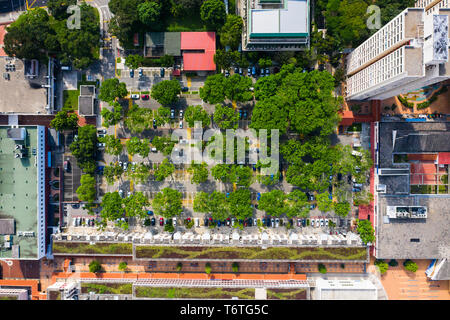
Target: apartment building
<point>409,52</point>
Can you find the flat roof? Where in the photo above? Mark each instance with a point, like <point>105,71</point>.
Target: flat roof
<point>86,105</point>
<point>18,192</point>
<point>351,289</point>
<point>198,51</point>
<point>290,21</point>
<point>169,41</point>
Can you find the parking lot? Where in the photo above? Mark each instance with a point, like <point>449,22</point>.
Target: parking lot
<point>27,95</point>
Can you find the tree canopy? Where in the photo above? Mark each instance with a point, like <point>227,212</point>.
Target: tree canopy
<point>161,116</point>
<point>366,231</point>
<point>111,117</point>
<point>112,89</point>
<point>342,209</point>
<point>113,145</point>
<point>163,144</point>
<point>64,121</point>
<point>226,117</point>
<point>231,32</point>
<point>87,190</point>
<point>164,170</point>
<point>135,205</point>
<point>166,92</point>
<point>213,89</point>
<point>199,172</point>
<point>111,206</point>
<point>84,148</point>
<point>167,203</point>
<point>197,113</point>
<point>297,204</point>
<point>133,61</point>
<point>239,203</point>
<point>138,146</point>
<point>112,172</point>
<point>214,203</point>
<point>149,14</point>
<point>237,88</point>
<point>138,119</point>
<point>273,203</point>
<point>212,13</point>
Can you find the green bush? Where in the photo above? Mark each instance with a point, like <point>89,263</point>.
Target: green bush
<point>169,227</point>
<point>235,267</point>
<point>410,265</point>
<point>179,266</point>
<point>123,266</point>
<point>208,268</point>
<point>383,266</point>
<point>444,179</point>
<point>405,102</point>
<point>393,106</point>
<point>322,268</point>
<point>95,266</point>
<point>393,263</point>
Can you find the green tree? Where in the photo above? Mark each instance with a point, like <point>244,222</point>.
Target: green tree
<point>269,114</point>
<point>366,231</point>
<point>140,173</point>
<point>218,206</point>
<point>113,145</point>
<point>111,206</point>
<point>297,204</point>
<point>201,200</point>
<point>163,144</point>
<point>341,208</point>
<point>199,172</point>
<point>243,175</point>
<point>224,59</point>
<point>58,8</point>
<point>164,170</point>
<point>322,269</point>
<point>235,267</point>
<point>167,203</point>
<point>231,32</point>
<point>84,149</point>
<point>112,89</point>
<point>239,203</point>
<point>138,119</point>
<point>196,113</point>
<point>111,117</point>
<point>166,92</point>
<point>95,266</point>
<point>208,268</point>
<point>273,203</point>
<point>265,62</point>
<point>237,88</point>
<point>112,172</point>
<point>162,116</point>
<point>138,146</point>
<point>382,265</point>
<point>149,14</point>
<point>179,266</point>
<point>226,117</point>
<point>134,61</point>
<point>123,266</point>
<point>29,35</point>
<point>393,263</point>
<point>64,121</point>
<point>87,190</point>
<point>266,87</point>
<point>224,173</point>
<point>212,13</point>
<point>167,61</point>
<point>410,265</point>
<point>135,205</point>
<point>324,203</point>
<point>213,89</point>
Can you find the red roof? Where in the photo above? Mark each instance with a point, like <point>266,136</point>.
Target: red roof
<point>2,36</point>
<point>444,158</point>
<point>203,47</point>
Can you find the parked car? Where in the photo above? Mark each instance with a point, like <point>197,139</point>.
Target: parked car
<point>240,114</point>
<point>125,166</point>
<point>131,73</point>
<point>228,221</point>
<point>312,206</point>
<point>356,189</point>
<point>181,124</point>
<point>181,114</point>
<point>253,71</point>
<point>249,71</point>
<point>161,221</point>
<point>153,221</point>
<point>311,197</point>
<point>258,196</point>
<point>101,145</point>
<point>121,193</point>
<point>255,222</point>
<point>357,185</point>
<point>312,222</point>
<point>206,222</point>
<point>154,124</point>
<point>327,222</point>
<point>184,89</point>
<point>321,222</point>
<point>141,72</point>
<point>174,221</point>
<point>303,222</point>
<point>317,222</point>
<point>219,223</point>
<point>161,72</point>
<point>135,96</point>
<point>75,205</point>
<point>150,212</point>
<point>272,221</point>
<point>101,131</point>
<point>299,222</point>
<point>145,97</point>
<point>240,71</point>
<point>172,113</point>
<point>227,73</point>
<point>267,71</point>
<point>245,114</point>
<point>67,166</point>
<point>180,153</point>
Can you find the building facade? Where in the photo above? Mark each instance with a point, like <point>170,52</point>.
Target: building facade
<point>409,52</point>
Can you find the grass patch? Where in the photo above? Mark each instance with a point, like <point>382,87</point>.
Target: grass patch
<point>195,293</point>
<point>145,92</point>
<point>443,189</point>
<point>251,253</point>
<point>194,92</point>
<point>286,294</point>
<point>186,22</point>
<point>405,102</point>
<point>8,298</point>
<point>70,100</point>
<point>423,189</point>
<point>119,72</point>
<point>107,288</point>
<point>86,248</point>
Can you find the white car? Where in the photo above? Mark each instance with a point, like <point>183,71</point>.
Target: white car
<point>277,222</point>
<point>101,131</point>
<point>174,221</point>
<point>74,222</point>
<point>184,141</point>
<point>101,145</point>
<point>326,222</point>
<point>312,222</point>
<point>299,222</point>
<point>233,221</point>
<point>128,193</point>
<point>181,124</point>
<point>181,114</point>
<point>255,222</point>
<point>317,223</point>
<point>135,96</point>
<point>121,193</point>
<point>196,222</point>
<point>154,149</point>
<point>321,222</point>
<point>125,166</point>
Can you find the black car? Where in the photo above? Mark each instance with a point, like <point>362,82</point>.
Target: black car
<point>75,205</point>
<point>153,221</point>
<point>291,222</point>
<point>268,221</point>
<point>184,89</point>
<point>154,124</point>
<point>206,222</point>
<point>303,222</point>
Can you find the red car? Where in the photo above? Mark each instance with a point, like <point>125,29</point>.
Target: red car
<point>161,221</point>
<point>145,97</point>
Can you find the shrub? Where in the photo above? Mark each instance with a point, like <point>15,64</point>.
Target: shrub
<point>405,102</point>
<point>410,265</point>
<point>123,266</point>
<point>235,267</point>
<point>383,266</point>
<point>169,228</point>
<point>393,106</point>
<point>189,224</point>
<point>393,263</point>
<point>208,268</point>
<point>179,266</point>
<point>95,266</point>
<point>322,268</point>
<point>307,222</point>
<point>444,179</point>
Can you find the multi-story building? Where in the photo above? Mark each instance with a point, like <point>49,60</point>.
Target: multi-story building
<point>275,25</point>
<point>409,52</point>
<point>23,192</point>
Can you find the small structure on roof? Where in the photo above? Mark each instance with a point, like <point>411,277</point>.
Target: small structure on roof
<point>86,100</point>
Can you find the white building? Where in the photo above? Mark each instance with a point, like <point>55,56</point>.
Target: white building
<point>349,289</point>
<point>409,52</point>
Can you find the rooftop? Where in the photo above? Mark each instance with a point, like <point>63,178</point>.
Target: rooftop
<point>198,51</point>
<point>167,43</point>
<point>18,193</point>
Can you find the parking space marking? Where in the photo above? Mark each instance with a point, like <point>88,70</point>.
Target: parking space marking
<point>189,82</point>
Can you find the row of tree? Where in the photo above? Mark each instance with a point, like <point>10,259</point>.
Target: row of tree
<point>36,35</point>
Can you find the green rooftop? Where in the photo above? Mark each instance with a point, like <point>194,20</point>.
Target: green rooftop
<point>19,194</point>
